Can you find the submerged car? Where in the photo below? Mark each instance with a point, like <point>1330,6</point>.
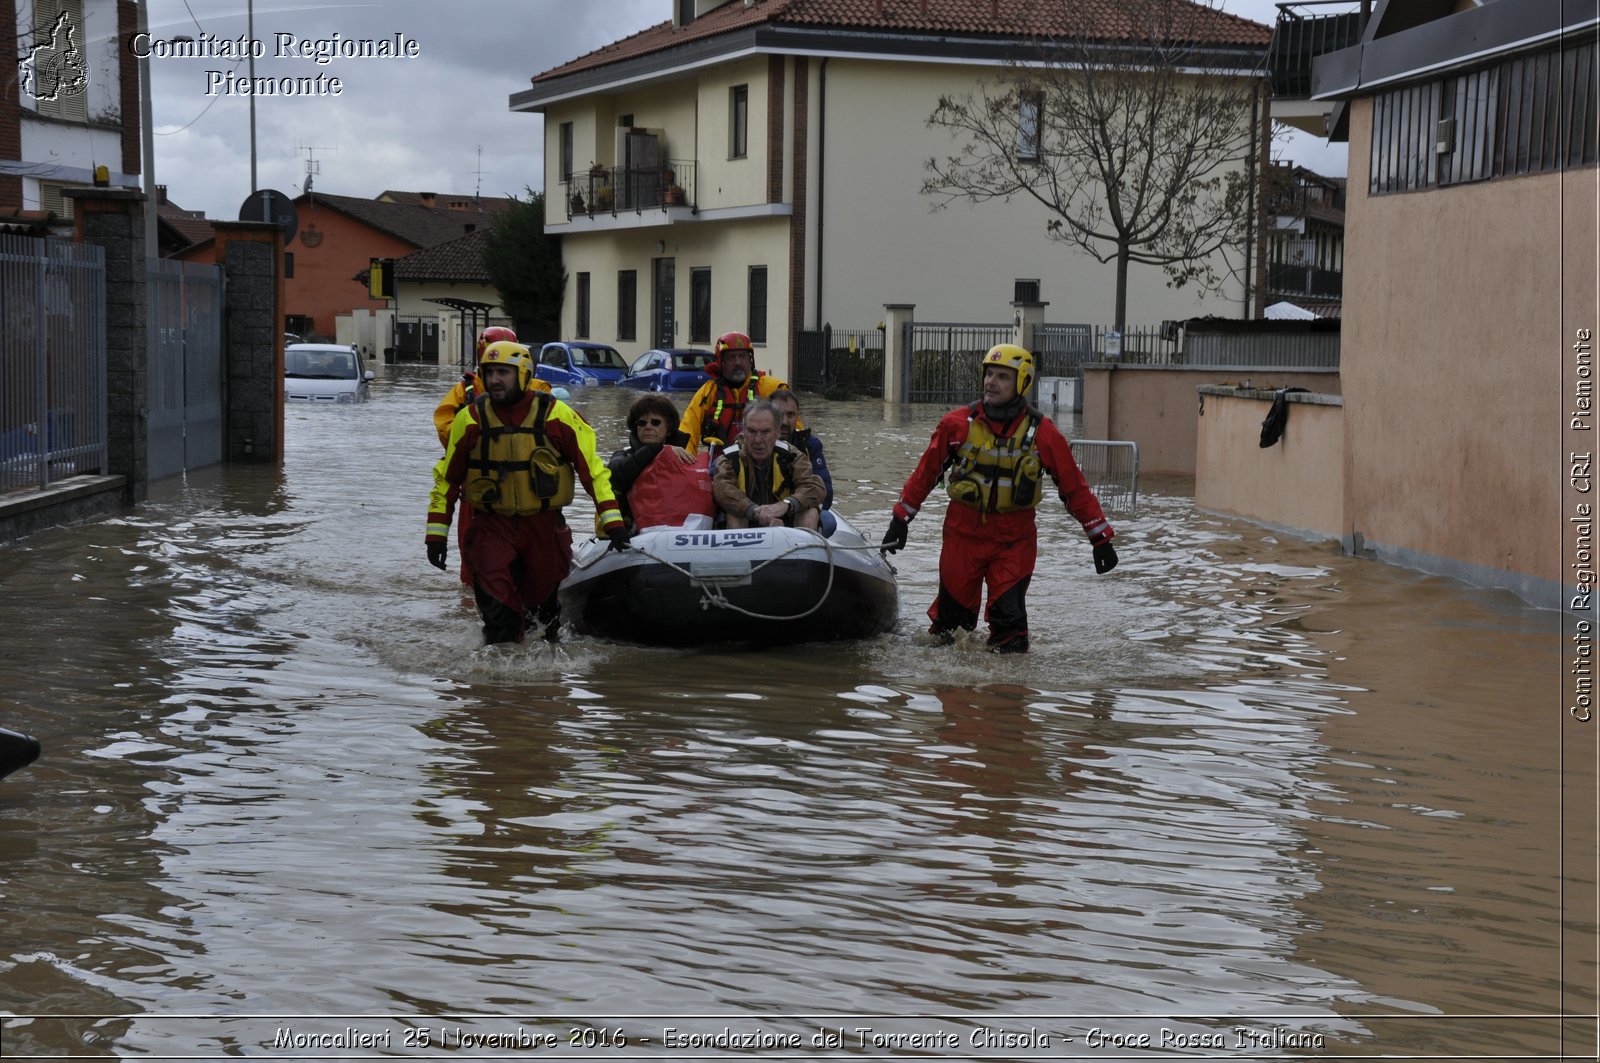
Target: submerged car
<point>669,369</point>
<point>580,365</point>
<point>324,372</point>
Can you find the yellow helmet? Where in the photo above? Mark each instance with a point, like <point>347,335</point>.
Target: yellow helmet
<point>1013,357</point>
<point>504,352</point>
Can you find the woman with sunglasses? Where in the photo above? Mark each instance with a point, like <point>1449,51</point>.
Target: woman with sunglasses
<point>657,480</point>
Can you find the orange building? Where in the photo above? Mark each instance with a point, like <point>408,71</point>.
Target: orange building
<point>338,236</point>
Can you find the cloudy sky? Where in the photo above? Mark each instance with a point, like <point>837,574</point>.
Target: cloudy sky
<point>436,122</point>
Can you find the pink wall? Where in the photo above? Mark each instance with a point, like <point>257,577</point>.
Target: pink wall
<point>1158,407</point>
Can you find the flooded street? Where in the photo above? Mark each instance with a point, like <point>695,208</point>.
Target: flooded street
<point>1246,798</point>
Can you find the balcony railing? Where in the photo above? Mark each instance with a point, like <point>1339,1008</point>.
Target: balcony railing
<point>1304,31</point>
<point>617,191</point>
<point>1304,280</point>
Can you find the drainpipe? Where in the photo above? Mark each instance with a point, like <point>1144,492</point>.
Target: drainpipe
<point>1250,222</point>
<point>822,158</point>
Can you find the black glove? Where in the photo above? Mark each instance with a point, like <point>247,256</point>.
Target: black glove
<point>895,538</point>
<point>1105,558</point>
<point>619,537</point>
<point>437,552</point>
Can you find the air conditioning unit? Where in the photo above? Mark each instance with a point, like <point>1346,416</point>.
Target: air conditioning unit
<point>1444,136</point>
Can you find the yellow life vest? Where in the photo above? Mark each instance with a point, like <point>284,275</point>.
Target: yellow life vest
<point>516,469</point>
<point>996,474</point>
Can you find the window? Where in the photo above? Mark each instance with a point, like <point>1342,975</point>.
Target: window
<point>756,318</point>
<point>627,304</point>
<point>1030,106</point>
<point>580,328</point>
<point>59,71</point>
<point>739,121</point>
<point>566,151</point>
<point>700,305</point>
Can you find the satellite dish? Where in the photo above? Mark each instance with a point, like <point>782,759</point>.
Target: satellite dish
<point>268,205</point>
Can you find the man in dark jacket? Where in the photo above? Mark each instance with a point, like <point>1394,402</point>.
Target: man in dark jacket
<point>763,482</point>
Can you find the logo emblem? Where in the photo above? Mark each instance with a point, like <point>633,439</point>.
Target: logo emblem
<point>54,69</point>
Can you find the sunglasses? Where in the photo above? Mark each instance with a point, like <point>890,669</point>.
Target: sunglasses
<point>653,422</point>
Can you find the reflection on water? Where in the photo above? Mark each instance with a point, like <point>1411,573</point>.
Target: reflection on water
<point>1242,784</point>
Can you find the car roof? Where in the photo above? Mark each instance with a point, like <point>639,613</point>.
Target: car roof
<point>321,347</point>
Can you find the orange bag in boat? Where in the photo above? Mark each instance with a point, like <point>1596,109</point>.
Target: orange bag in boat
<point>669,491</point>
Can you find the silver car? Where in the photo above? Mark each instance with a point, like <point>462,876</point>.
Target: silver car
<point>324,372</point>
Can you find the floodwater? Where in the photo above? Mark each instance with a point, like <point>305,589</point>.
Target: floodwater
<point>1247,798</point>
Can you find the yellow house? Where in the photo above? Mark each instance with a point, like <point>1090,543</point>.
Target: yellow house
<point>757,165</point>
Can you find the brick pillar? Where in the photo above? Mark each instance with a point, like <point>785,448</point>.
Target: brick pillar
<point>251,256</point>
<point>1026,320</point>
<point>113,218</point>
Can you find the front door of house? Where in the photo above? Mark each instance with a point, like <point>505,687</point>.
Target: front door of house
<point>663,302</point>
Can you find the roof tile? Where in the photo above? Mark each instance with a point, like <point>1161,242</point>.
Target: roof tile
<point>978,18</point>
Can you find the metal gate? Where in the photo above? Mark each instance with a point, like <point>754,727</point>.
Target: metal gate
<point>943,359</point>
<point>185,383</point>
<point>840,363</point>
<point>52,361</point>
<point>1112,468</point>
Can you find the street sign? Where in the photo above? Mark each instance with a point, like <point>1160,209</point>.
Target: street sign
<point>268,205</point>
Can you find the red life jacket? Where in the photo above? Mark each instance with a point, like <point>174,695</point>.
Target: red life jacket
<point>668,491</point>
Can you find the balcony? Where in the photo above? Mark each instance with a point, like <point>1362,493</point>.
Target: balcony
<point>1285,278</point>
<point>632,195</point>
<point>1304,31</point>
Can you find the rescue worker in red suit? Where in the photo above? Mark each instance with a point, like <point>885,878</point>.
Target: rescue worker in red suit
<point>716,412</point>
<point>514,456</point>
<point>466,389</point>
<point>993,454</point>
<point>656,480</point>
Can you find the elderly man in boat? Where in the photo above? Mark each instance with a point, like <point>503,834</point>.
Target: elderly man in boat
<point>763,482</point>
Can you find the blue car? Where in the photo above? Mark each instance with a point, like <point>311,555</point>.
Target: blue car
<point>669,369</point>
<point>579,365</point>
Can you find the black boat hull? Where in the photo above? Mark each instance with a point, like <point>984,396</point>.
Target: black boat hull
<point>679,587</point>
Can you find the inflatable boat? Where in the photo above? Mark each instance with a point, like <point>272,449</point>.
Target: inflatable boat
<point>689,586</point>
<point>16,751</point>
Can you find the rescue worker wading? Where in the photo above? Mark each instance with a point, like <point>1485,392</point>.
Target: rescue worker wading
<point>514,455</point>
<point>466,389</point>
<point>993,455</point>
<point>716,412</point>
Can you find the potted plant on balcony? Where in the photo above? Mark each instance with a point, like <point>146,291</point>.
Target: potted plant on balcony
<point>675,195</point>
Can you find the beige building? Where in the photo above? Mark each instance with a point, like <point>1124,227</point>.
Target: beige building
<point>757,165</point>
<point>1468,420</point>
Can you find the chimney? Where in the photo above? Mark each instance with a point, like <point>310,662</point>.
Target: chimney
<point>427,199</point>
<point>161,194</point>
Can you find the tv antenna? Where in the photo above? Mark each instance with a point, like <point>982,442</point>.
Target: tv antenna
<point>477,191</point>
<point>313,166</point>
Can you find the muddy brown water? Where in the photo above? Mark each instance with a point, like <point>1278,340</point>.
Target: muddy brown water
<point>1247,797</point>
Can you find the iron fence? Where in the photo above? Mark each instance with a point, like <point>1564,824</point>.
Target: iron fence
<point>840,363</point>
<point>52,361</point>
<point>186,367</point>
<point>944,359</point>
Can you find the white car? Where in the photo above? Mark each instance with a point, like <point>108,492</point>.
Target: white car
<point>324,372</point>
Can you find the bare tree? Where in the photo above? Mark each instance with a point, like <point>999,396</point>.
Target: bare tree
<point>1135,137</point>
